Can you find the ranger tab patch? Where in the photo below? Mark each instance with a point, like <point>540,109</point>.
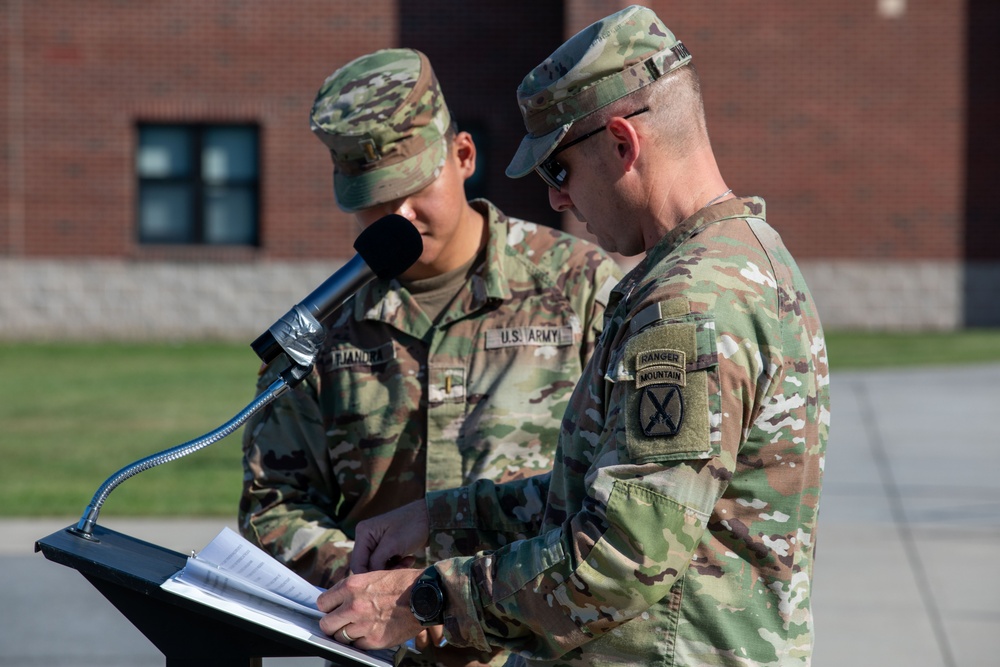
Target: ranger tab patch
<point>661,410</point>
<point>660,367</point>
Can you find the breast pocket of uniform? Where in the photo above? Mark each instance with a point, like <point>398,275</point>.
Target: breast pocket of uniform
<point>364,394</point>
<point>530,370</point>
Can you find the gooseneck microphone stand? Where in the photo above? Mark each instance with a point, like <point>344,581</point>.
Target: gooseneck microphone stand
<point>298,334</point>
<point>130,573</point>
<point>287,379</point>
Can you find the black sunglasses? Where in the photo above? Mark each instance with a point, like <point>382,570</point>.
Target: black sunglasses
<point>553,172</point>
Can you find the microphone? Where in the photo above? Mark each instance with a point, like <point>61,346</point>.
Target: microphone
<point>386,248</point>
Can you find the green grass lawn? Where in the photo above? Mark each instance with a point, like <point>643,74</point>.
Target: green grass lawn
<point>74,414</point>
<point>867,350</point>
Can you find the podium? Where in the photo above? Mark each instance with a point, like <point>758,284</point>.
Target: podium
<point>129,573</point>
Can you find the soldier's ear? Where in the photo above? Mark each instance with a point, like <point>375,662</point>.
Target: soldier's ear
<point>627,144</point>
<point>464,150</point>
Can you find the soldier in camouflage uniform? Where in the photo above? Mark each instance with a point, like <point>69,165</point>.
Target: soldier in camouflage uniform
<point>459,371</point>
<point>678,525</point>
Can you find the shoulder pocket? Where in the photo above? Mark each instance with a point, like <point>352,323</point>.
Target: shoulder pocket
<point>668,373</point>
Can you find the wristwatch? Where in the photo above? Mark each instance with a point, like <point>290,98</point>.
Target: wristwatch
<point>427,599</point>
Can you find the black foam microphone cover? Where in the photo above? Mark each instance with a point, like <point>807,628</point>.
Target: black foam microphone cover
<point>389,246</point>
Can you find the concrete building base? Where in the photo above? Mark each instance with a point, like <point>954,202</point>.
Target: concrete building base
<point>122,300</point>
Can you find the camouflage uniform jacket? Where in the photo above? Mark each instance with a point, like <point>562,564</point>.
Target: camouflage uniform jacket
<point>397,406</point>
<point>677,526</point>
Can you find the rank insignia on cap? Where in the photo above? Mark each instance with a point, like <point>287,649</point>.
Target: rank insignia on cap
<point>371,151</point>
<point>661,410</point>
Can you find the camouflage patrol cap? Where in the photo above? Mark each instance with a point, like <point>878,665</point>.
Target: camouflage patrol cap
<point>600,64</point>
<point>384,119</point>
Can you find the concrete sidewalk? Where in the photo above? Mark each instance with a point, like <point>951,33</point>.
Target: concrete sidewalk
<point>910,520</point>
<point>909,525</point>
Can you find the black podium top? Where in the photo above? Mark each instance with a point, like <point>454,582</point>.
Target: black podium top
<point>139,565</point>
<point>129,573</point>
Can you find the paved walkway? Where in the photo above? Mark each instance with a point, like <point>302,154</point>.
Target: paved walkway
<point>905,574</point>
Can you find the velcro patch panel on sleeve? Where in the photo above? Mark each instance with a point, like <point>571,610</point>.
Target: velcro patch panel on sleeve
<point>668,408</point>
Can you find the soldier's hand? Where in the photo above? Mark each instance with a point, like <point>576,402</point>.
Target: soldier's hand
<point>434,650</point>
<point>382,542</point>
<point>430,638</point>
<point>371,611</point>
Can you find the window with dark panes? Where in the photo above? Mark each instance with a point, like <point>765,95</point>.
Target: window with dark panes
<point>198,184</point>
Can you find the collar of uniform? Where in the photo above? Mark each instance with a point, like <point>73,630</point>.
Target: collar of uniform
<point>495,283</point>
<point>740,207</point>
<point>488,283</point>
<point>387,302</point>
<point>733,208</point>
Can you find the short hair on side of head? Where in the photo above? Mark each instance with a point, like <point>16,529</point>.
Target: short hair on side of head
<point>676,110</point>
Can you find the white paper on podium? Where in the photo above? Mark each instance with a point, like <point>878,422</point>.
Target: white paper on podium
<point>236,577</point>
<point>232,567</point>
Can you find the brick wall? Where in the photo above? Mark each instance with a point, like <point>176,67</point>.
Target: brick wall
<point>850,118</point>
<point>88,72</point>
<point>846,118</point>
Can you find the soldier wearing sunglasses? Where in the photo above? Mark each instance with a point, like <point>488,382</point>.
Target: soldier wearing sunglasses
<point>678,524</point>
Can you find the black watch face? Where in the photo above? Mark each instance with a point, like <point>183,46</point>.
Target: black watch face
<point>426,601</point>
